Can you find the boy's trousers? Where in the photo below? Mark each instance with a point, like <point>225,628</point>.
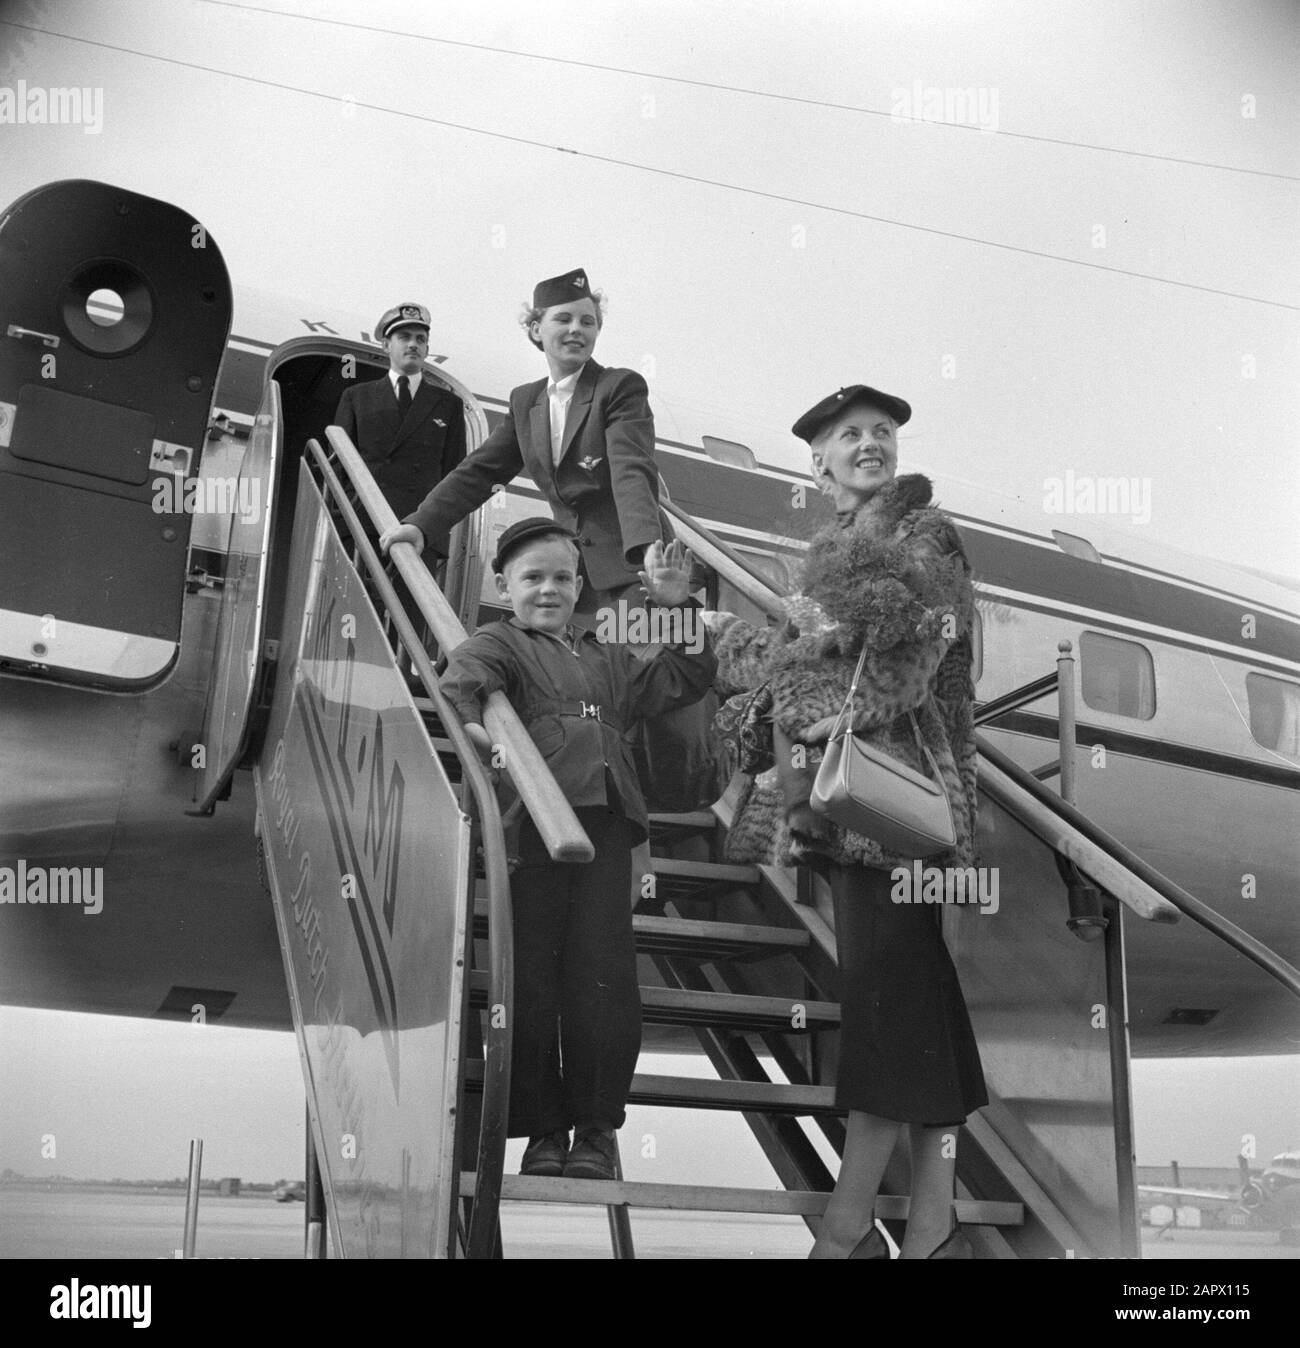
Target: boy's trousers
<point>577,1007</point>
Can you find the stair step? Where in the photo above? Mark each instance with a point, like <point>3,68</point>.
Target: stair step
<point>678,1197</point>
<point>699,879</point>
<point>664,825</point>
<point>685,1006</point>
<point>719,1198</point>
<point>675,880</point>
<point>706,941</point>
<point>758,1097</point>
<point>688,938</point>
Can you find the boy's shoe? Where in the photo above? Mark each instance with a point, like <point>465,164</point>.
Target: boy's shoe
<point>545,1154</point>
<point>592,1156</point>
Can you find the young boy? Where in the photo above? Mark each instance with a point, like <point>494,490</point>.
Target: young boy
<point>577,1013</point>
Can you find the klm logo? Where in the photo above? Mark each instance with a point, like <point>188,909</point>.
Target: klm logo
<point>381,838</point>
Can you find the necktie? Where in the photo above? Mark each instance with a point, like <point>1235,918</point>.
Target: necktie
<point>403,394</point>
<point>559,413</point>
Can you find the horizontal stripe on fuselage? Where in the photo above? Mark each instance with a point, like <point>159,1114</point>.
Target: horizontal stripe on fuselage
<point>1088,736</point>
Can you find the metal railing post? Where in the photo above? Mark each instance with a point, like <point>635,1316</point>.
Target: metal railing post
<point>1065,719</point>
<point>620,1221</point>
<point>314,1214</point>
<point>192,1198</point>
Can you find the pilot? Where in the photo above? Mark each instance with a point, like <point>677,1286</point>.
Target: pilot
<point>409,430</point>
<point>585,435</point>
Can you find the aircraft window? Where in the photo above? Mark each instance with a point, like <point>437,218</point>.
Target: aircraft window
<point>1074,546</point>
<point>729,451</point>
<point>777,570</point>
<point>774,567</point>
<point>105,307</point>
<point>1118,676</point>
<point>1274,713</point>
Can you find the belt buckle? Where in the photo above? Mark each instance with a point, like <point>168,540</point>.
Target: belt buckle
<point>591,709</point>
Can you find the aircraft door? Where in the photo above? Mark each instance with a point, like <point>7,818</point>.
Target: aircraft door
<point>114,314</point>
<point>242,620</point>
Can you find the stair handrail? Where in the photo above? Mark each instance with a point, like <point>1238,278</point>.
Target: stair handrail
<point>1017,697</point>
<point>494,1107</point>
<point>726,561</point>
<point>556,822</point>
<point>1147,892</point>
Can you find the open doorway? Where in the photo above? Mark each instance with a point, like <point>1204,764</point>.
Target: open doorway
<point>311,384</point>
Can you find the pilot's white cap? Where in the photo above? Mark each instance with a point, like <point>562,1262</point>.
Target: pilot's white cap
<point>402,316</point>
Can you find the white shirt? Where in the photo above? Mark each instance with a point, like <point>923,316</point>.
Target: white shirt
<point>559,392</point>
<point>395,375</point>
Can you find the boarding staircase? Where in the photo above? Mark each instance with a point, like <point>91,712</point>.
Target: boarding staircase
<point>405,1038</point>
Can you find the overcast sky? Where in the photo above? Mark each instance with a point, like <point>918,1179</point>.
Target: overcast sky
<point>1045,306</point>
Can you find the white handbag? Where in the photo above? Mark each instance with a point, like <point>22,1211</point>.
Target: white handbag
<point>869,791</point>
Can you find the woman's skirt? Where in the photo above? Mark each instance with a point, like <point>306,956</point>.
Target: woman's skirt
<point>907,1050</point>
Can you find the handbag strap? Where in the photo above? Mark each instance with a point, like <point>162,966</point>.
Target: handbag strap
<point>847,710</point>
<point>924,748</point>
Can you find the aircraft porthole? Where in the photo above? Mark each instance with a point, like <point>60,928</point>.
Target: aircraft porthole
<point>105,307</point>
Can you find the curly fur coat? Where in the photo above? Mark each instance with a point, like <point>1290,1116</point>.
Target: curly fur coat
<point>891,574</point>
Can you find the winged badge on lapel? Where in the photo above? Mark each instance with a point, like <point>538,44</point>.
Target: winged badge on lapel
<point>590,463</point>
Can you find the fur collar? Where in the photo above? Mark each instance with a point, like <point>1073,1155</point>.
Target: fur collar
<point>868,579</point>
<point>887,507</point>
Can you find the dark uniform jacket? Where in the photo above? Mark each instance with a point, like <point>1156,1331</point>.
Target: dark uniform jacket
<point>606,488</point>
<point>408,456</point>
<point>579,699</point>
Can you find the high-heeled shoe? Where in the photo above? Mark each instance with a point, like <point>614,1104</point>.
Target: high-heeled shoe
<point>872,1246</point>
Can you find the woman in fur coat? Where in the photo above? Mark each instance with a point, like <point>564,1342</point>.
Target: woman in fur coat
<point>890,573</point>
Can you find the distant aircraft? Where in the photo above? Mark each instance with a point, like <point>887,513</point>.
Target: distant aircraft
<point>1268,1201</point>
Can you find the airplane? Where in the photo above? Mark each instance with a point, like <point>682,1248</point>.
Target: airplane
<point>1267,1201</point>
<point>142,649</point>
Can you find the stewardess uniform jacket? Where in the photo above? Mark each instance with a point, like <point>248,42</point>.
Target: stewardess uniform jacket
<point>408,456</point>
<point>578,697</point>
<point>606,488</point>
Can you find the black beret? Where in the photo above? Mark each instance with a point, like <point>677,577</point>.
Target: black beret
<point>812,421</point>
<point>520,532</point>
<point>562,289</point>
